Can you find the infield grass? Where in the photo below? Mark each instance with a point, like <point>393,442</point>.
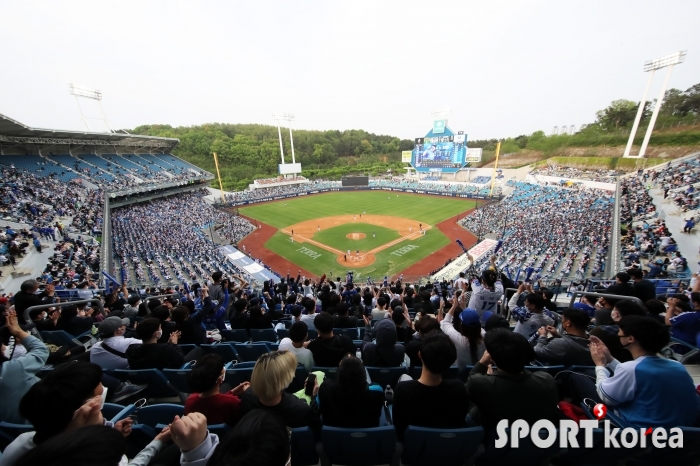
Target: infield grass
<point>336,237</point>
<point>422,208</point>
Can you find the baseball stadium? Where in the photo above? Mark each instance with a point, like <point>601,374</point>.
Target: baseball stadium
<point>284,291</point>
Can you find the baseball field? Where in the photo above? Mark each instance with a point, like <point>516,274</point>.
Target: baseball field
<point>374,233</point>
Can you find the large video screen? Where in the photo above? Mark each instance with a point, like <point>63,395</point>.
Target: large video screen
<point>440,153</point>
<point>355,181</point>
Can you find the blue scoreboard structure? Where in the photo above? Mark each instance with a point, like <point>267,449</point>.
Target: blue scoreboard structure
<point>440,150</point>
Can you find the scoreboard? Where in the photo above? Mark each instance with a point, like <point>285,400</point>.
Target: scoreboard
<point>446,152</point>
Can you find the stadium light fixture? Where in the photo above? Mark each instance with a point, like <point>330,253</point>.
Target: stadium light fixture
<point>669,61</point>
<point>81,91</point>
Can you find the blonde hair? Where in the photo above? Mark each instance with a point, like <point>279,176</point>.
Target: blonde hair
<point>273,372</point>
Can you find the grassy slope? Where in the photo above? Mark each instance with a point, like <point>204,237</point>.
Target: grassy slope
<point>426,209</point>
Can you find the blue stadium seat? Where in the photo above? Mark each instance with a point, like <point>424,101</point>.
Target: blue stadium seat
<point>114,412</point>
<point>236,375</point>
<point>282,333</point>
<point>689,455</point>
<point>386,375</point>
<point>526,453</point>
<point>177,379</point>
<point>352,333</point>
<point>266,335</point>
<point>359,447</point>
<point>598,455</point>
<point>161,413</point>
<point>219,429</point>
<point>297,383</point>
<point>157,383</point>
<point>60,338</point>
<point>273,346</point>
<point>426,447</point>
<point>225,350</point>
<point>313,334</point>
<point>250,351</point>
<point>329,372</point>
<point>239,335</point>
<point>13,430</point>
<point>303,445</point>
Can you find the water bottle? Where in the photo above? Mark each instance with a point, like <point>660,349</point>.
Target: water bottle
<point>388,394</point>
<point>358,354</point>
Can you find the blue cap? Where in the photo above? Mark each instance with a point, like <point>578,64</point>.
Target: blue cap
<point>485,316</point>
<point>469,316</point>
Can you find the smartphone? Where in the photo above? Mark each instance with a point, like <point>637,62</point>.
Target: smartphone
<point>310,383</point>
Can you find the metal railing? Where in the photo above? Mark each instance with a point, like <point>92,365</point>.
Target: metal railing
<point>97,301</point>
<point>149,298</point>
<point>618,297</point>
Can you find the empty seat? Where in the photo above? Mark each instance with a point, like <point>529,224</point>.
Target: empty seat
<point>359,447</point>
<point>423,446</point>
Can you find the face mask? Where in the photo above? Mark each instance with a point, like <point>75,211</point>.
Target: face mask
<point>159,334</point>
<point>124,461</point>
<point>104,397</point>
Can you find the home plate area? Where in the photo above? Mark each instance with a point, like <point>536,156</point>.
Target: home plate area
<point>407,229</point>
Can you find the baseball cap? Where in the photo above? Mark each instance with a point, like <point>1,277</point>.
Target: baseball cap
<point>310,296</point>
<point>111,325</point>
<point>469,316</point>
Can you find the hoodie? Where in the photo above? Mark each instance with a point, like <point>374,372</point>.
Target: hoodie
<point>385,352</point>
<point>329,351</point>
<point>154,356</point>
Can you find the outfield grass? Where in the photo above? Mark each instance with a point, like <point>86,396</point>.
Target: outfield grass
<point>429,209</point>
<point>386,263</point>
<point>425,209</point>
<point>336,237</point>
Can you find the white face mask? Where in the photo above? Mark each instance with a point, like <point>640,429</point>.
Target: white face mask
<point>159,334</point>
<point>104,397</point>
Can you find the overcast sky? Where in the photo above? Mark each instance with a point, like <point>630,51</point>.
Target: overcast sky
<point>504,68</point>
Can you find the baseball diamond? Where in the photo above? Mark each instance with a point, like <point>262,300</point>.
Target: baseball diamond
<point>363,231</point>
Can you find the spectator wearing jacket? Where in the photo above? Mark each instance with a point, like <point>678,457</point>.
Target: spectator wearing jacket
<point>329,349</point>
<point>110,352</point>
<point>348,400</point>
<point>205,382</point>
<point>532,315</point>
<point>341,319</point>
<point>569,348</point>
<point>189,323</point>
<point>648,391</point>
<point>214,311</point>
<point>153,355</point>
<point>464,329</point>
<point>499,393</point>
<point>18,374</point>
<point>431,401</point>
<point>386,352</point>
<point>26,297</point>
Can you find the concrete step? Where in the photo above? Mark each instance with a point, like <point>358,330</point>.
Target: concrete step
<point>21,272</point>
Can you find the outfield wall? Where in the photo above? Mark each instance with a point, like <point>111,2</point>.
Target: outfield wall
<point>358,188</point>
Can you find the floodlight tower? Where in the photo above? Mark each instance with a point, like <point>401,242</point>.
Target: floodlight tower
<point>92,94</point>
<point>652,65</point>
<point>286,117</point>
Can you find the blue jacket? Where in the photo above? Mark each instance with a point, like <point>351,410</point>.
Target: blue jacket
<point>18,375</point>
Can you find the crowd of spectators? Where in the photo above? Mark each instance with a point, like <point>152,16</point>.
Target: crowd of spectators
<point>253,195</point>
<point>461,365</point>
<point>605,176</point>
<point>167,240</point>
<point>281,179</point>
<point>560,232</point>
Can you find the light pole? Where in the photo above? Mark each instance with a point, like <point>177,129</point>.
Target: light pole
<point>289,117</point>
<point>92,94</point>
<point>653,65</point>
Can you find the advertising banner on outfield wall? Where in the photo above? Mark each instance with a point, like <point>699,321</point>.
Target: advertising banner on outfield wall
<point>462,263</point>
<point>356,188</point>
<point>406,156</point>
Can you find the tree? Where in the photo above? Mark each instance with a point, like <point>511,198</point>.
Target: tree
<point>692,101</point>
<point>618,114</point>
<point>673,103</point>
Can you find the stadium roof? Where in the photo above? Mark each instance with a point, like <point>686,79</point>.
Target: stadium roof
<point>15,133</point>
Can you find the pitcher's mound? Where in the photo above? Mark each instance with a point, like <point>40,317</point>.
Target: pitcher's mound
<point>355,235</point>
